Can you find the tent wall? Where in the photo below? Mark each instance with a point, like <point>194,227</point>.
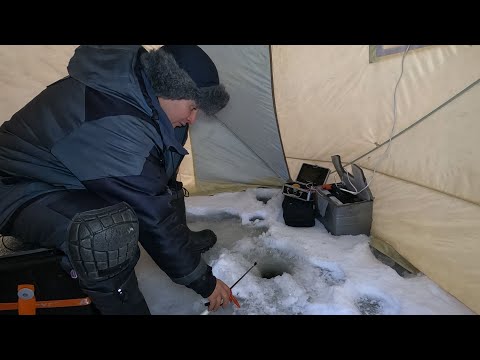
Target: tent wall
<point>241,144</point>
<point>26,70</point>
<point>331,100</point>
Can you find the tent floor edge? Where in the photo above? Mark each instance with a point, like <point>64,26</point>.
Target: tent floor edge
<point>389,256</point>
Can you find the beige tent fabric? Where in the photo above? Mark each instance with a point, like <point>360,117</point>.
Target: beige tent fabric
<point>331,100</point>
<point>186,172</point>
<point>441,152</point>
<point>25,71</point>
<point>437,233</point>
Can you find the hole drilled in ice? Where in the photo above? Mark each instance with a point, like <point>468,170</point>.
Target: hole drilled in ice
<point>270,267</point>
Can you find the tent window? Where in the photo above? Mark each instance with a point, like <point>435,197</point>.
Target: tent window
<point>378,52</point>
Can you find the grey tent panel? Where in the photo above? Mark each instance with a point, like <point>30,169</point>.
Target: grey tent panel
<point>247,146</point>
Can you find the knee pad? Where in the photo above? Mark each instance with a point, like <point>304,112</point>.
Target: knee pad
<point>103,242</point>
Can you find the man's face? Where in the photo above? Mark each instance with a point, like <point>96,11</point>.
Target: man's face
<point>179,112</point>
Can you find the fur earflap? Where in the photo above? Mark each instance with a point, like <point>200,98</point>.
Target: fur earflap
<point>213,99</point>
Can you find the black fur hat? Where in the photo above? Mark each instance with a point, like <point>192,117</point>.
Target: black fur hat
<point>185,72</point>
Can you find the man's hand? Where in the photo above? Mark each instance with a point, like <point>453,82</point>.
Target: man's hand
<point>220,296</point>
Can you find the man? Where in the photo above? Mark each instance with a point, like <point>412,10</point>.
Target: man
<point>89,167</point>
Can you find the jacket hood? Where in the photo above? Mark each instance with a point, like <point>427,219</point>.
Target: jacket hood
<point>110,69</point>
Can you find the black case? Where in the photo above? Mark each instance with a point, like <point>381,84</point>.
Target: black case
<point>299,203</point>
<point>298,213</point>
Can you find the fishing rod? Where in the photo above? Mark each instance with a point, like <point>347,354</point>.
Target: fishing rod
<point>232,298</point>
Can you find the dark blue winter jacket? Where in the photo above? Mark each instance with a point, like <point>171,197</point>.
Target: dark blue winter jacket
<point>102,129</point>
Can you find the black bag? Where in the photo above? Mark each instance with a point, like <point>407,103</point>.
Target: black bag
<point>298,213</point>
<point>300,196</point>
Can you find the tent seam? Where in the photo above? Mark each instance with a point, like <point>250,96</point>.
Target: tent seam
<point>416,122</point>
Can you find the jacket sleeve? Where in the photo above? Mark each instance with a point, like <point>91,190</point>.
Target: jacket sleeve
<point>123,164</point>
